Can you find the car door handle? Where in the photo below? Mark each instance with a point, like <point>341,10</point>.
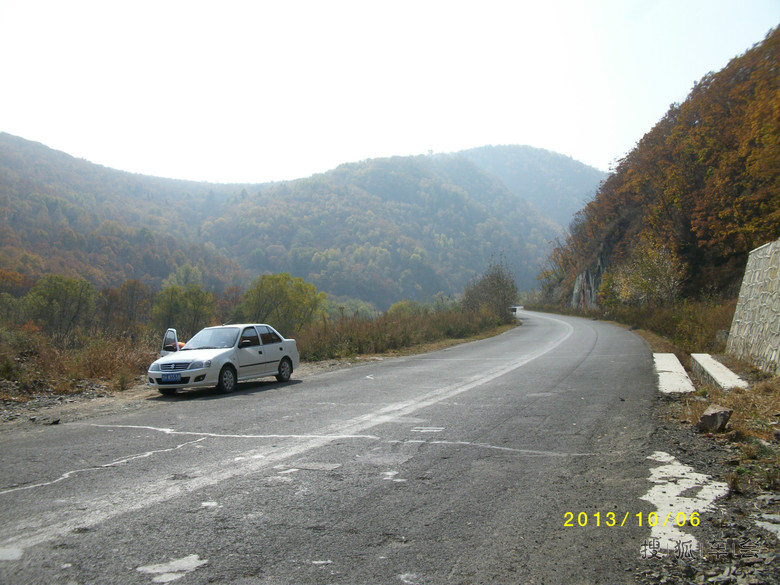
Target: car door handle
<point>260,352</point>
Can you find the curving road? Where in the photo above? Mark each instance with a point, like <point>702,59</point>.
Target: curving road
<point>457,466</point>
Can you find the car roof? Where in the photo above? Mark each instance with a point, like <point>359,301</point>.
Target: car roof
<point>239,325</point>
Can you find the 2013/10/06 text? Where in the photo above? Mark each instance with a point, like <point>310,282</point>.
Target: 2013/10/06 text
<point>610,519</point>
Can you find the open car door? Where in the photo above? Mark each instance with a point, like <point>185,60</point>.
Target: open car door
<point>170,342</point>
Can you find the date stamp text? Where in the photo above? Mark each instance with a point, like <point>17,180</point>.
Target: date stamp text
<point>612,519</point>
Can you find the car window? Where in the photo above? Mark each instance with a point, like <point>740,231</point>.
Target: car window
<point>217,337</point>
<point>169,341</point>
<point>249,337</point>
<point>268,336</point>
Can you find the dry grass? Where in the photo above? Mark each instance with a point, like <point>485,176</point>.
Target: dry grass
<point>392,332</point>
<point>691,326</point>
<point>752,430</point>
<point>662,345</point>
<point>756,409</point>
<point>30,363</point>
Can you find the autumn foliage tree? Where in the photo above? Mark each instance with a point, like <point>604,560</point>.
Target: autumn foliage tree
<point>651,275</point>
<point>703,184</point>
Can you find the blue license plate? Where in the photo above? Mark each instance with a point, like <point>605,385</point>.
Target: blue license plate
<point>171,377</point>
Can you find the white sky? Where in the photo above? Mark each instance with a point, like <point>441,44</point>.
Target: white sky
<point>254,91</point>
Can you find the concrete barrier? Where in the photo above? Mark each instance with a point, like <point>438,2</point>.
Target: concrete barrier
<point>672,377</point>
<point>713,373</point>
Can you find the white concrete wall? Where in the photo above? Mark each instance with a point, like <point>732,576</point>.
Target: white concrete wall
<point>755,330</point>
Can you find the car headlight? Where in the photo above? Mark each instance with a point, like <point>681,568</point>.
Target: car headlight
<point>155,367</point>
<point>199,365</point>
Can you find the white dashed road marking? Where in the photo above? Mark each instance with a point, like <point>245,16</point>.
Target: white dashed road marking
<point>672,479</point>
<point>176,569</point>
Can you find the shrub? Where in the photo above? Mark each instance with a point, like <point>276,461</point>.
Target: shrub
<point>402,327</point>
<point>37,363</point>
<point>693,326</point>
<point>492,294</point>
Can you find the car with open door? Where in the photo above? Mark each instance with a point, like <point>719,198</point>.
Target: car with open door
<point>222,357</point>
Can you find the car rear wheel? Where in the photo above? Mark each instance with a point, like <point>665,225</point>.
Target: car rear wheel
<point>285,370</point>
<point>227,379</point>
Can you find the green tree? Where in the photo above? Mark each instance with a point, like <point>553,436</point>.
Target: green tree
<point>187,310</point>
<point>184,276</point>
<point>608,294</point>
<point>286,302</point>
<point>59,304</point>
<point>199,309</point>
<point>406,307</point>
<point>9,308</point>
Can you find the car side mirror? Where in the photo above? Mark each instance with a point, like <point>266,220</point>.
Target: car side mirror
<point>245,343</point>
<point>170,347</point>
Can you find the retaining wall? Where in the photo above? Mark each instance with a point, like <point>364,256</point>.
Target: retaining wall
<point>755,330</point>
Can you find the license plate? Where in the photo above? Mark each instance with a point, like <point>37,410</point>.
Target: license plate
<point>171,377</point>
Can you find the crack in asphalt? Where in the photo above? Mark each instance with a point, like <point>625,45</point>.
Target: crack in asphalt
<point>203,434</point>
<point>38,529</point>
<point>533,452</point>
<point>68,474</point>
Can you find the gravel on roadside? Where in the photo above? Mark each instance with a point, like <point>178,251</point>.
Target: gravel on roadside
<point>734,549</point>
<point>89,398</point>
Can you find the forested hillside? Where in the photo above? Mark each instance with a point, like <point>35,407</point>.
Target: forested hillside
<point>385,229</point>
<point>698,192</point>
<point>554,184</point>
<point>63,215</point>
<point>380,230</point>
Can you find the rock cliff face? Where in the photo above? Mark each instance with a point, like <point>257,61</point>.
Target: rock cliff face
<point>585,294</point>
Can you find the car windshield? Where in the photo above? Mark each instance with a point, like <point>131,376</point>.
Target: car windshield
<point>217,337</point>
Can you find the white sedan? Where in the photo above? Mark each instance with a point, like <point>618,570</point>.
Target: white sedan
<point>222,357</point>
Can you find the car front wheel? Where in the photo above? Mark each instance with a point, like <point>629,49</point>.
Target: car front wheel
<point>285,370</point>
<point>227,379</point>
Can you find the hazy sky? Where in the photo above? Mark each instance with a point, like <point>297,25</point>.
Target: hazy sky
<point>253,91</point>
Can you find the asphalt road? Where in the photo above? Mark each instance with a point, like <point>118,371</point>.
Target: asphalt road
<point>457,466</point>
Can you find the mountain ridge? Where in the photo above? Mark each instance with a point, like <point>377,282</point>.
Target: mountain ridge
<point>380,230</point>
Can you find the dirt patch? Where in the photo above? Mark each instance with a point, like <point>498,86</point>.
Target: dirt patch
<point>662,345</point>
<point>94,399</point>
